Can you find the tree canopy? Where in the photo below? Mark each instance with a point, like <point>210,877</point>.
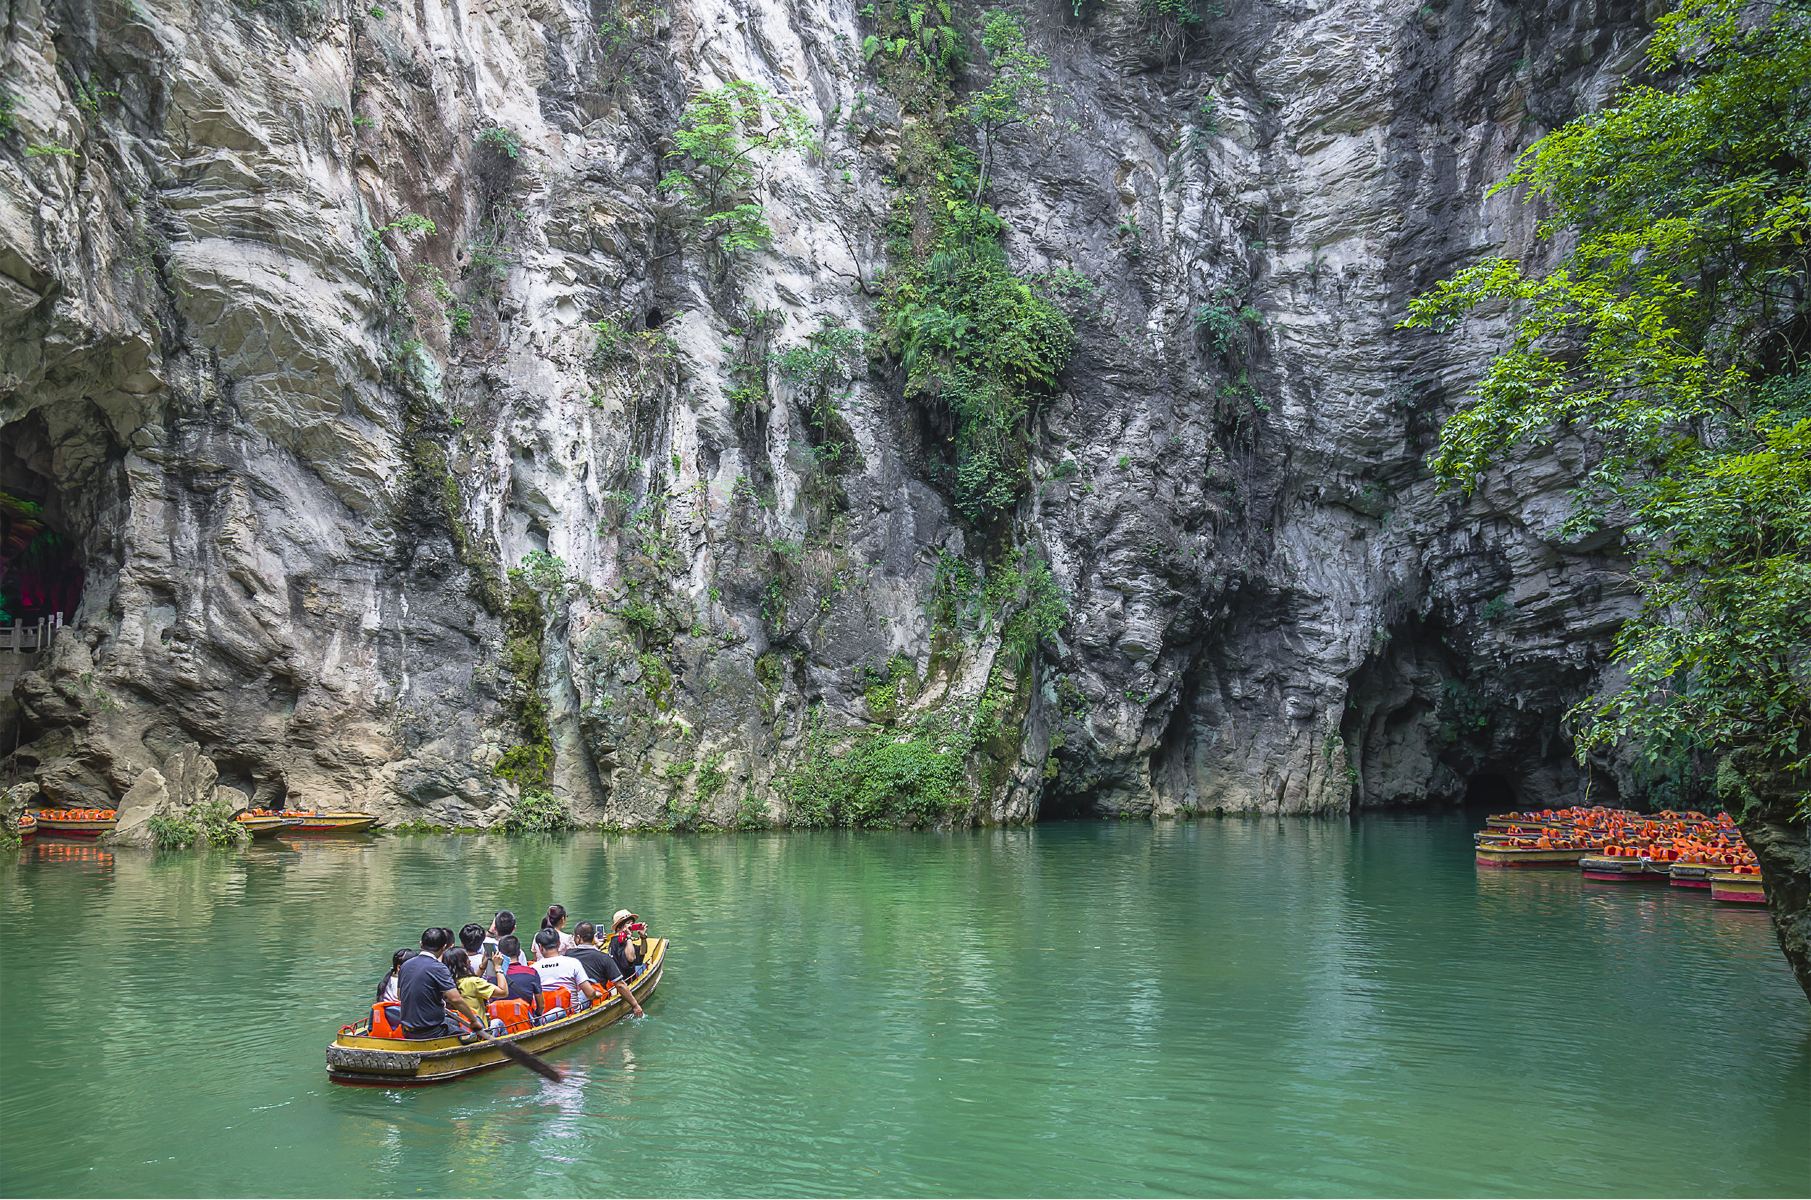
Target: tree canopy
<point>1673,336</point>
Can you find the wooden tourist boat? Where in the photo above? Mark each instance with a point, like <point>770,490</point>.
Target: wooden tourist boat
<point>76,822</point>
<point>264,824</point>
<point>1494,855</point>
<point>1625,868</point>
<point>329,822</point>
<point>27,827</point>
<point>1737,888</point>
<point>357,1057</point>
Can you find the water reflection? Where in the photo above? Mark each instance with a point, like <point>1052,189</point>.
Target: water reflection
<point>1244,1006</point>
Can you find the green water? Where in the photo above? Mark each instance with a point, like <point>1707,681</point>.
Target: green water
<point>1247,1007</point>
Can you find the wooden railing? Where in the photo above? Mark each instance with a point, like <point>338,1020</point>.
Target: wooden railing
<point>29,637</point>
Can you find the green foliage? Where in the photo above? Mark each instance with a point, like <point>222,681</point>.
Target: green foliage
<point>9,106</point>
<point>501,139</point>
<point>536,810</point>
<point>1018,596</point>
<point>487,265</point>
<point>770,672</point>
<point>711,778</point>
<point>1673,335</point>
<point>1223,324</point>
<point>174,832</point>
<point>1171,26</point>
<point>216,821</point>
<point>917,42</point>
<point>1017,92</point>
<point>723,135</point>
<point>884,777</point>
<point>211,823</point>
<point>890,688</point>
<point>978,344</point>
<point>541,577</point>
<point>612,342</point>
<point>49,150</point>
<point>409,225</point>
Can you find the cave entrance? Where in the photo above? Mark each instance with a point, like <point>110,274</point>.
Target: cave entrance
<point>1066,806</point>
<point>40,566</point>
<point>1492,790</point>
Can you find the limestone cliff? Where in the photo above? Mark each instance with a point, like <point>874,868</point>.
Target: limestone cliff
<point>299,440</point>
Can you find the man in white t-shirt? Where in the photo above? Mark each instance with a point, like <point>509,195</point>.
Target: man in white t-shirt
<point>556,970</point>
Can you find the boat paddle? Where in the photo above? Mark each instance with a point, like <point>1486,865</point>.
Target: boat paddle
<point>510,1050</point>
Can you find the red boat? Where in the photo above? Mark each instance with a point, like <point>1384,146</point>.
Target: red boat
<point>76,822</point>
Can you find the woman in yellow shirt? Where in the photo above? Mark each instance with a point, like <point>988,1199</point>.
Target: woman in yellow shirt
<point>473,986</point>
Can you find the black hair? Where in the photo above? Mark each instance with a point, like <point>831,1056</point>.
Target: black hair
<point>505,922</point>
<point>586,932</point>
<point>457,961</point>
<point>396,961</point>
<point>548,939</point>
<point>509,945</point>
<point>434,938</point>
<point>472,937</point>
<point>556,916</point>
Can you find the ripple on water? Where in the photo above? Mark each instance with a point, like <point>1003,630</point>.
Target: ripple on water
<point>1229,1007</point>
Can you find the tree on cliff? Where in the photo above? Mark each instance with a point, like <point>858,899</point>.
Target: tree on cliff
<point>1674,337</point>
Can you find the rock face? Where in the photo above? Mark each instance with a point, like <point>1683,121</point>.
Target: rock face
<point>300,436</point>
<point>316,320</point>
<point>407,436</point>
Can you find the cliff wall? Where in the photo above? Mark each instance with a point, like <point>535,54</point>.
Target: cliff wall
<point>300,439</point>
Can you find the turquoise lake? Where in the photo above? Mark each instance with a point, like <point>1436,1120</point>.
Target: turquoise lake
<point>1257,1006</point>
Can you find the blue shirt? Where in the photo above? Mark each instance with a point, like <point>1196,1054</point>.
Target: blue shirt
<point>421,988</point>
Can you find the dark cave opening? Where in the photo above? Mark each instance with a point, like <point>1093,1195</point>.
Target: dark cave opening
<point>40,566</point>
<point>1492,790</point>
<point>1066,805</point>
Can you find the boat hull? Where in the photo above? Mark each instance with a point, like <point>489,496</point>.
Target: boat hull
<point>1692,875</point>
<point>1619,869</point>
<point>327,823</point>
<point>263,827</point>
<point>1737,889</point>
<point>55,827</point>
<point>389,1062</point>
<point>1501,856</point>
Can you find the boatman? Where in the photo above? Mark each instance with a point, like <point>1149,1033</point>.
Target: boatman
<point>600,966</point>
<point>425,988</point>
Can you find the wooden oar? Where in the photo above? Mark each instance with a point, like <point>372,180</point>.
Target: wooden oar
<point>511,1050</point>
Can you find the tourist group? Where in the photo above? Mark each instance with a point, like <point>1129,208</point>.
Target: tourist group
<point>487,978</point>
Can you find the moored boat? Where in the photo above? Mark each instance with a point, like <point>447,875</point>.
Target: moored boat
<point>1737,888</point>
<point>262,824</point>
<point>356,1056</point>
<point>1616,868</point>
<point>27,827</point>
<point>1491,854</point>
<point>76,822</point>
<point>329,822</point>
<point>1693,874</point>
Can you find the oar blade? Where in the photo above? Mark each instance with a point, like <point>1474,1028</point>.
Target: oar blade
<point>538,1066</point>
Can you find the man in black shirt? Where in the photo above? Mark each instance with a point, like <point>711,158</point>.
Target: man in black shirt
<point>600,966</point>
<point>424,988</point>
